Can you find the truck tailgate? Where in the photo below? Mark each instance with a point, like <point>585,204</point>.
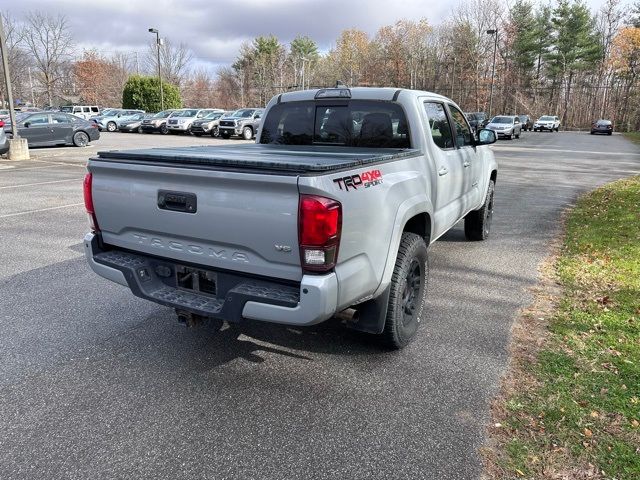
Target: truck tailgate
<point>238,221</point>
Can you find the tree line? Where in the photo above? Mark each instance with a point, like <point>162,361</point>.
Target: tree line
<point>559,59</point>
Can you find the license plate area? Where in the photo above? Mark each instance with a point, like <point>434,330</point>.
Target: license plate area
<point>196,280</point>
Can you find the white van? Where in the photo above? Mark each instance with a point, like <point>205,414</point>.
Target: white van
<point>83,111</point>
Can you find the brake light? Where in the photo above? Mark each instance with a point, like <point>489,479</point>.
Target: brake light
<point>319,229</point>
<point>88,202</point>
<point>1,124</point>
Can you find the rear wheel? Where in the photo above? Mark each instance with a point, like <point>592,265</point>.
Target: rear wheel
<point>408,292</point>
<point>80,139</point>
<point>477,223</point>
<point>164,130</point>
<point>215,132</point>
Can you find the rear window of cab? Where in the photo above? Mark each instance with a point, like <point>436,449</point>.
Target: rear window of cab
<point>352,123</point>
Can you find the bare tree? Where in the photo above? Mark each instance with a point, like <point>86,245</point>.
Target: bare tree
<point>174,61</point>
<point>49,41</point>
<point>19,62</point>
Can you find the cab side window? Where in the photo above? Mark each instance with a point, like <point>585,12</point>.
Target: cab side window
<point>464,138</point>
<point>438,125</point>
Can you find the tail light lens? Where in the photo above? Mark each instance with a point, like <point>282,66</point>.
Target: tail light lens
<point>88,202</point>
<point>1,124</point>
<point>319,229</point>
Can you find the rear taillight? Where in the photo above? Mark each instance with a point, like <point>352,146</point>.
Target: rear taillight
<point>319,228</point>
<point>1,124</point>
<point>88,202</point>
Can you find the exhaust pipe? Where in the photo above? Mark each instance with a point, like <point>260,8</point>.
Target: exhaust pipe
<point>188,319</point>
<point>349,315</point>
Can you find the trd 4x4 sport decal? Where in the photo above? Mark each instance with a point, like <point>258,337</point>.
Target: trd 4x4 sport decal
<point>364,179</point>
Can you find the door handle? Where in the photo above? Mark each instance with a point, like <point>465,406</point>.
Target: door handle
<point>466,164</point>
<point>443,171</point>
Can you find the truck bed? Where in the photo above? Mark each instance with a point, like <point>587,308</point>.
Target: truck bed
<point>289,159</point>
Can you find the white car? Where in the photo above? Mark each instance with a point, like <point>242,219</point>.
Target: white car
<point>547,122</point>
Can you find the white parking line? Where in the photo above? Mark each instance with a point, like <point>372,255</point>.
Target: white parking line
<point>42,183</point>
<point>525,149</point>
<point>19,169</point>
<point>41,210</point>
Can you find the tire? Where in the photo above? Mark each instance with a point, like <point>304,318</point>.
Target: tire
<point>215,132</point>
<point>609,133</point>
<point>225,135</point>
<point>477,223</point>
<point>164,130</point>
<point>408,292</point>
<point>80,139</point>
<point>139,130</point>
<point>518,135</point>
<point>111,127</point>
<point>247,133</point>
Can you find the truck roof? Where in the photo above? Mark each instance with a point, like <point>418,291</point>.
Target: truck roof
<point>359,93</point>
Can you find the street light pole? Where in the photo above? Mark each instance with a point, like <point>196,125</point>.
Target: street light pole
<point>7,81</point>
<point>158,43</point>
<point>493,32</point>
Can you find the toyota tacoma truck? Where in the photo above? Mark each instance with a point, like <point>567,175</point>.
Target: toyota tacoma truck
<point>330,212</point>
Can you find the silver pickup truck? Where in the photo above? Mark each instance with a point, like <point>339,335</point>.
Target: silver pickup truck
<point>330,212</point>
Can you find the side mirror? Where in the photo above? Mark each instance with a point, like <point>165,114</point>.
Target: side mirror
<point>27,124</point>
<point>486,137</point>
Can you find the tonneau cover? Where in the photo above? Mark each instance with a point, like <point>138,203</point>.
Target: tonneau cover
<point>285,159</point>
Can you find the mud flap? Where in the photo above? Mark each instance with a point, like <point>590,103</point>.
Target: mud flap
<point>372,314</point>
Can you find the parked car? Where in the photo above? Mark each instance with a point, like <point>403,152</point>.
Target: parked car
<point>108,119</point>
<point>319,217</point>
<point>243,123</point>
<point>54,128</point>
<point>547,122</point>
<point>4,114</point>
<point>207,125</point>
<point>527,123</point>
<point>505,126</point>
<point>180,121</point>
<point>132,123</point>
<point>157,122</point>
<point>82,111</point>
<point>602,126</point>
<point>4,140</point>
<point>477,120</point>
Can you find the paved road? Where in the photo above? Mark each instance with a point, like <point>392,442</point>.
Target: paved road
<point>95,383</point>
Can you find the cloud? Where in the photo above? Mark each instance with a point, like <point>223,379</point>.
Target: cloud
<point>215,31</point>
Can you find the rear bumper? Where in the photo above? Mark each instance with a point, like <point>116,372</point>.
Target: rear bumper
<point>238,297</point>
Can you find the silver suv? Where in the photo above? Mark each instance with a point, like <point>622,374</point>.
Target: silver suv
<point>180,121</point>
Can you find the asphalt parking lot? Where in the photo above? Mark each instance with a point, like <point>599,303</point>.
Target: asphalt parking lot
<point>95,383</point>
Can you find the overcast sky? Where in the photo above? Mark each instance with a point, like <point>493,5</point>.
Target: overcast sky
<point>214,30</point>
